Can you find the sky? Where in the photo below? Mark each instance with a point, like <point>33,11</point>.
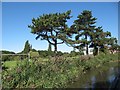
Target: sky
<point>17,16</point>
<point>60,1</point>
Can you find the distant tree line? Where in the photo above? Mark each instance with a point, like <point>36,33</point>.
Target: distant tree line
<point>7,52</point>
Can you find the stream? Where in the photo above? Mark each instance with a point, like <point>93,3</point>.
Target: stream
<point>102,77</point>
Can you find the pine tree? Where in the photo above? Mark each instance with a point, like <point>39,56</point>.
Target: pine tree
<point>82,28</point>
<point>84,34</point>
<point>51,27</point>
<point>27,47</point>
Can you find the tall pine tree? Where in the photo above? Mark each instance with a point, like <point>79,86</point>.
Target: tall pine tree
<point>27,47</point>
<point>82,29</point>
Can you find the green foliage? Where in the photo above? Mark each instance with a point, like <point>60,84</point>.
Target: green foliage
<point>83,27</point>
<point>11,64</point>
<point>27,47</point>
<point>39,75</point>
<point>113,45</point>
<point>83,33</point>
<point>7,52</point>
<point>5,58</point>
<point>12,57</point>
<point>59,53</point>
<point>34,55</point>
<point>73,53</point>
<point>51,27</point>
<point>45,54</point>
<point>33,50</point>
<point>51,74</point>
<point>95,51</point>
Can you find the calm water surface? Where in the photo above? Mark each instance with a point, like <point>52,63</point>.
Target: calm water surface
<point>102,77</point>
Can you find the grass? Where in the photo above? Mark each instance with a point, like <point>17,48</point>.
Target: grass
<point>13,64</point>
<point>10,64</point>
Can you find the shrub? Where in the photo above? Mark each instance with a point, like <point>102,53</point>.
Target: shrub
<point>73,53</point>
<point>45,54</point>
<point>34,55</point>
<point>5,58</point>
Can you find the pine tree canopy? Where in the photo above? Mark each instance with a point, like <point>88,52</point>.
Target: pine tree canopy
<point>51,27</point>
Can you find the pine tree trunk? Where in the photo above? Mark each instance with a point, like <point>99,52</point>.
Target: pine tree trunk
<point>87,49</point>
<point>86,45</point>
<point>55,50</point>
<point>98,50</point>
<point>55,46</point>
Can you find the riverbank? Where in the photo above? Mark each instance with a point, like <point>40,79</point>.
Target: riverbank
<point>102,77</point>
<point>52,74</point>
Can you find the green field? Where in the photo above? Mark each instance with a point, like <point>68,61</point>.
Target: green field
<point>13,64</point>
<point>10,64</point>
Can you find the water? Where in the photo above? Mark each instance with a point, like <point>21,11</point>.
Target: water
<point>102,77</point>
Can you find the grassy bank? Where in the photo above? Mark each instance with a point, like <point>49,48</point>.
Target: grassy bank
<point>53,73</point>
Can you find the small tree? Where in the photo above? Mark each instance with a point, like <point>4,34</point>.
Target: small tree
<point>27,47</point>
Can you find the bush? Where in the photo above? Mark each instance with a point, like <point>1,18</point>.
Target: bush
<point>59,53</point>
<point>46,54</point>
<point>73,53</point>
<point>36,75</point>
<point>34,55</point>
<point>5,58</point>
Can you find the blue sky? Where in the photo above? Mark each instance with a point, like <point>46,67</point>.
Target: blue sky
<point>17,16</point>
